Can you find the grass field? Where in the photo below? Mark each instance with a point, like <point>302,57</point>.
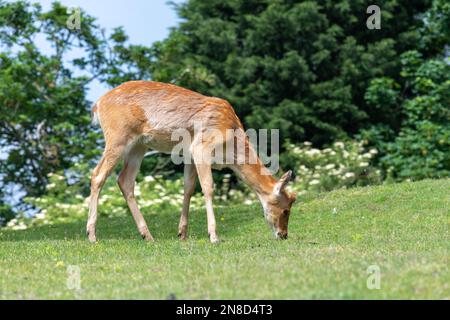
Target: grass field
<point>333,239</point>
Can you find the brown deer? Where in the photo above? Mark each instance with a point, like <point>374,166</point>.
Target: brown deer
<point>141,115</point>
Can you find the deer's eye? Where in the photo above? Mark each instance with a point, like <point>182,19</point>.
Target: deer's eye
<point>285,212</point>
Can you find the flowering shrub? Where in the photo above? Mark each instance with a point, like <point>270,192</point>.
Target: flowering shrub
<point>341,165</point>
<point>65,202</point>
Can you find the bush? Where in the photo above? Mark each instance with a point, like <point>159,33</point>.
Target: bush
<point>6,213</point>
<point>341,165</point>
<point>421,148</point>
<point>66,201</point>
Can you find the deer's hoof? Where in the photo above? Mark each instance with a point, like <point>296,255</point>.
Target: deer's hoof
<point>214,239</point>
<point>91,236</point>
<point>182,235</point>
<point>147,237</point>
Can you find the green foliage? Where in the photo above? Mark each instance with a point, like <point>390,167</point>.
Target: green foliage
<point>422,146</point>
<point>419,147</point>
<point>6,214</point>
<point>435,34</point>
<point>44,113</point>
<point>341,165</point>
<point>301,66</point>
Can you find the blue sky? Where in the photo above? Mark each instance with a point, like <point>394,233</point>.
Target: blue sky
<point>145,21</point>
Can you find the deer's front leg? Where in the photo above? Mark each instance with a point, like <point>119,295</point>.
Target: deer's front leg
<point>190,178</point>
<point>206,181</point>
<point>126,182</point>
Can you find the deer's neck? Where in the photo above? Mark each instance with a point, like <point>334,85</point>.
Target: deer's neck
<point>257,177</point>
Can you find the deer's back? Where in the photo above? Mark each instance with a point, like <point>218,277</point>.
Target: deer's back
<point>156,109</point>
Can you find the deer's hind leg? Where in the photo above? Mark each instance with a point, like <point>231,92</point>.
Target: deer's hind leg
<point>190,178</point>
<point>126,181</point>
<point>109,160</point>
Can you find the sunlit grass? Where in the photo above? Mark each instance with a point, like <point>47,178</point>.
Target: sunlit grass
<point>333,239</point>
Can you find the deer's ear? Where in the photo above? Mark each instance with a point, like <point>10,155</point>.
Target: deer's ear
<point>293,197</point>
<point>282,183</point>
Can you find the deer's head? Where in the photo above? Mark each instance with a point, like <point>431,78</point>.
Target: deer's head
<point>277,207</point>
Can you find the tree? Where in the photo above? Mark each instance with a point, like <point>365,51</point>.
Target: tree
<point>301,66</point>
<point>420,148</point>
<point>44,113</point>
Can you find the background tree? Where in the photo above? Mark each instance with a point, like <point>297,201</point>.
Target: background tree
<point>421,147</point>
<point>44,112</point>
<point>301,66</point>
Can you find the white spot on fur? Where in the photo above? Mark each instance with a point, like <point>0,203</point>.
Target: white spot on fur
<point>95,120</point>
<point>95,115</point>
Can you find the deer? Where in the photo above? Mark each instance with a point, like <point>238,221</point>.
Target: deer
<point>138,116</point>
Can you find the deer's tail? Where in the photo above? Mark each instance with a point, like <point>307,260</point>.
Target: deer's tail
<point>94,115</point>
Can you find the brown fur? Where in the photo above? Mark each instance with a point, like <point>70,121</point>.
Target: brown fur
<point>139,115</point>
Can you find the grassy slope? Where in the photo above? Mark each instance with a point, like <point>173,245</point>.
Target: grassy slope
<point>402,228</point>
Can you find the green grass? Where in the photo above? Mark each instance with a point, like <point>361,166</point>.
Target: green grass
<point>402,228</point>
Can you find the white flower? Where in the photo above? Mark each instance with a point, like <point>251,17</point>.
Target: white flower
<point>307,143</point>
<point>330,166</point>
<point>11,222</point>
<point>336,172</point>
<point>312,152</point>
<point>349,175</point>
<point>339,145</point>
<point>373,151</point>
<point>40,216</point>
<point>51,186</point>
<point>149,179</point>
<point>314,182</point>
<point>20,226</point>
<point>363,164</point>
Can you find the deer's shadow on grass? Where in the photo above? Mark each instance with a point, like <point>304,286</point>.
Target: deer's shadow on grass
<point>162,226</point>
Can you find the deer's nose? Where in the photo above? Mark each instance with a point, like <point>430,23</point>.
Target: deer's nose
<point>282,235</point>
